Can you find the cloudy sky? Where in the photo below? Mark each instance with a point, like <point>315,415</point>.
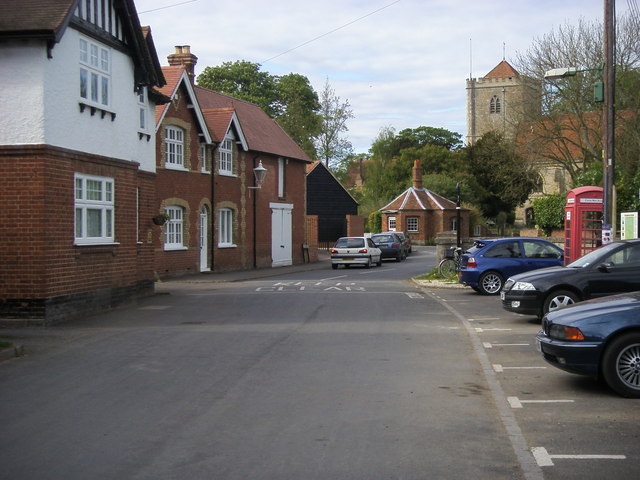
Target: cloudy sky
<point>399,63</point>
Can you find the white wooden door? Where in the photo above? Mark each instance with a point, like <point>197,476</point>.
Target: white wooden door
<point>281,234</point>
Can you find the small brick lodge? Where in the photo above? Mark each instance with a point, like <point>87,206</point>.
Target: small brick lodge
<point>116,171</point>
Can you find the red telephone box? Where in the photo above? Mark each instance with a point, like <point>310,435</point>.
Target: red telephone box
<point>582,222</point>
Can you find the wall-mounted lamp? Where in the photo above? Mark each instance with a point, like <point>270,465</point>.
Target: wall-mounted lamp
<point>259,173</point>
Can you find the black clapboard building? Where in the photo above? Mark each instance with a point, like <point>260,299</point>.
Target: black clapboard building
<point>330,201</point>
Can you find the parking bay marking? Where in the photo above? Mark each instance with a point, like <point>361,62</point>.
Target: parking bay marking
<point>544,459</point>
<point>491,345</point>
<point>515,402</point>
<point>481,330</point>
<point>499,368</point>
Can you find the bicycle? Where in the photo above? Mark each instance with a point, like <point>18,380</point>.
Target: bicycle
<point>448,266</point>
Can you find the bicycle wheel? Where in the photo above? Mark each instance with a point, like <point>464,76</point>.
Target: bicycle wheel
<point>448,268</point>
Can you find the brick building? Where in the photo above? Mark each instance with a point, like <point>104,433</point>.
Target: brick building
<point>219,219</point>
<point>77,157</point>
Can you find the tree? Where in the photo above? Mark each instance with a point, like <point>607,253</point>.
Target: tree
<point>331,146</point>
<point>548,212</point>
<point>244,80</point>
<point>505,176</point>
<point>290,99</point>
<point>299,107</point>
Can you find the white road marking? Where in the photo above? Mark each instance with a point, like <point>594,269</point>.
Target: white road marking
<point>515,402</point>
<point>544,459</point>
<point>480,329</point>
<point>491,345</point>
<point>499,368</point>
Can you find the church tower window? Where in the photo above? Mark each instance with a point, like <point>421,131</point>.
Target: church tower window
<point>494,106</point>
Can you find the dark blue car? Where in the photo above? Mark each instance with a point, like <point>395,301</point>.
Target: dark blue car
<point>598,337</point>
<point>485,266</point>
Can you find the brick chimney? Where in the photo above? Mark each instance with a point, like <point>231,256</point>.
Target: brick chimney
<point>417,174</point>
<point>183,56</point>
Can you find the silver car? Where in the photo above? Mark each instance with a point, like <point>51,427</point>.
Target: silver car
<point>355,251</point>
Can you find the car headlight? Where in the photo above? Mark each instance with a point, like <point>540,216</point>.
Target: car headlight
<point>523,286</point>
<point>561,332</point>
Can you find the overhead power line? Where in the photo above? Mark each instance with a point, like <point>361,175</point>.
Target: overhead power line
<point>330,32</point>
<point>168,6</point>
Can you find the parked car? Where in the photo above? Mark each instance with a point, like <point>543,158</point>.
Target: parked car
<point>349,251</point>
<point>390,244</point>
<point>600,338</point>
<point>406,242</point>
<point>612,268</point>
<point>485,266</point>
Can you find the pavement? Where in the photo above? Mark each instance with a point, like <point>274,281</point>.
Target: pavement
<point>324,262</point>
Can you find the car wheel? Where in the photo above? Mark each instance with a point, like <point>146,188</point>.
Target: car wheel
<point>621,365</point>
<point>490,283</point>
<point>557,299</point>
<point>399,257</point>
<point>334,266</point>
<point>379,262</point>
<point>369,263</point>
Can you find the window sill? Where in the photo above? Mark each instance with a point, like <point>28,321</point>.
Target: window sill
<point>227,245</point>
<point>226,174</point>
<point>142,135</point>
<point>175,249</point>
<point>95,109</point>
<point>95,244</point>
<point>177,168</point>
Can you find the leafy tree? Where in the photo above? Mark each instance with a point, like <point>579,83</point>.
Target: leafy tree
<point>244,80</point>
<point>299,107</point>
<point>290,99</point>
<point>422,136</point>
<point>506,177</point>
<point>330,144</point>
<point>548,212</point>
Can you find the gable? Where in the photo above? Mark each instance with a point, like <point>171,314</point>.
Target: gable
<point>326,195</point>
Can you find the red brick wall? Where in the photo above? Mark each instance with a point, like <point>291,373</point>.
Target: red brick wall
<point>40,261</point>
<point>190,189</point>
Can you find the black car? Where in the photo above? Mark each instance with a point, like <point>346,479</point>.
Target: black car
<point>600,338</point>
<point>613,268</point>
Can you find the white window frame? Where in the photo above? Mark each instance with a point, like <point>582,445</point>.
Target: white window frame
<point>142,109</point>
<point>225,156</point>
<point>225,228</point>
<point>413,224</point>
<point>204,158</point>
<point>94,209</point>
<point>391,224</point>
<point>174,228</point>
<point>174,147</point>
<point>95,73</point>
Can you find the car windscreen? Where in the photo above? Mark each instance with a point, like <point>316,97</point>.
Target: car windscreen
<point>595,256</point>
<point>349,243</point>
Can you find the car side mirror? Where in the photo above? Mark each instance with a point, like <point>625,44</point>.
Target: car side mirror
<point>605,267</point>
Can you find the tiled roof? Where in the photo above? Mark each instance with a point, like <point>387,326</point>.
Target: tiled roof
<point>419,199</point>
<point>218,120</point>
<point>503,69</point>
<point>263,134</point>
<point>34,17</point>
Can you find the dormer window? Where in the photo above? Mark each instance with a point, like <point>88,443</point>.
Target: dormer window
<point>494,106</point>
<point>225,159</point>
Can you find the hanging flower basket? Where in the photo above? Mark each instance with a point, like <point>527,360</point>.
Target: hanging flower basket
<point>160,219</point>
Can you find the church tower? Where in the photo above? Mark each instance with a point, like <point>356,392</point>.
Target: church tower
<point>498,101</point>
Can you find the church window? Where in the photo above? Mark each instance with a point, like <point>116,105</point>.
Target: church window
<point>494,106</point>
